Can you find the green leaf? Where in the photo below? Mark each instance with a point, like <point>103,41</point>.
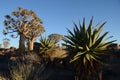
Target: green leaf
<point>87,48</point>
<point>88,57</point>
<point>80,47</point>
<point>70,32</point>
<point>96,32</point>
<point>84,26</point>
<point>97,43</point>
<point>90,27</point>
<point>84,61</point>
<point>77,56</point>
<point>76,31</point>
<point>106,44</point>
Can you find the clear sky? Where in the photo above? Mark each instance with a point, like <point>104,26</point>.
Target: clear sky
<point>57,15</point>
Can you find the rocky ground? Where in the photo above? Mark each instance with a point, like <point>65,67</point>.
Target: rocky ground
<point>58,70</point>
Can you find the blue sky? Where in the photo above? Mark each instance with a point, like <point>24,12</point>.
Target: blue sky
<point>57,15</point>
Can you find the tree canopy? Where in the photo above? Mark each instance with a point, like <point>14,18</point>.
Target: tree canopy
<point>56,37</point>
<point>25,23</point>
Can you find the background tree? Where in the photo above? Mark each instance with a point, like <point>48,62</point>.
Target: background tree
<point>26,24</point>
<point>0,45</point>
<point>6,42</point>
<point>56,37</point>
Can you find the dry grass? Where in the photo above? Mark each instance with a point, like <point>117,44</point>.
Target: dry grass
<point>33,71</point>
<point>2,78</point>
<point>59,54</point>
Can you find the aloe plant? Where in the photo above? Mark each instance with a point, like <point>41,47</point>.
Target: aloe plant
<point>85,46</point>
<point>46,45</point>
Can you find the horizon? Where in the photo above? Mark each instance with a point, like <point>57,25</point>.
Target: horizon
<point>59,15</point>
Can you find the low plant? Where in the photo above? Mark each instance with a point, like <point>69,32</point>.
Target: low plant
<point>26,67</point>
<point>46,46</point>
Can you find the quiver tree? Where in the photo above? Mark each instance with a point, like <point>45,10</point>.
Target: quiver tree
<point>6,42</point>
<point>0,45</point>
<point>26,24</point>
<point>56,37</point>
<point>35,30</point>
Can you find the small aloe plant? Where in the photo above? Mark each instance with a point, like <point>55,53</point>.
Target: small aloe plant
<point>46,45</point>
<point>85,46</point>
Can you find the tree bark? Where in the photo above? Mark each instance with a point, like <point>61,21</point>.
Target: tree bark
<point>30,45</point>
<point>22,44</point>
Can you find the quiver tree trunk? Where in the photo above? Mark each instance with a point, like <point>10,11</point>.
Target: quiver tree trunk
<point>22,44</point>
<point>30,45</point>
